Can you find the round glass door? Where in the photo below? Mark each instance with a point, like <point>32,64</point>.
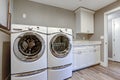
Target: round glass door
<point>60,46</point>
<point>29,47</point>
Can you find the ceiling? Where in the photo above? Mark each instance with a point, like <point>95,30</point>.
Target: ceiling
<point>74,4</point>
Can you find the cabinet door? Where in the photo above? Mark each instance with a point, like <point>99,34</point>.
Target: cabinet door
<point>90,23</point>
<point>94,52</point>
<point>84,22</point>
<point>79,56</point>
<point>75,61</point>
<point>78,22</point>
<point>91,56</point>
<point>87,22</point>
<point>97,52</point>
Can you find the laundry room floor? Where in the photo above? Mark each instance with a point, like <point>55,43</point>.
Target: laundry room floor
<point>99,73</point>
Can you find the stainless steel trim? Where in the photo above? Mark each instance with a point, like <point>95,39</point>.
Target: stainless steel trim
<point>59,33</point>
<point>29,73</point>
<point>60,67</point>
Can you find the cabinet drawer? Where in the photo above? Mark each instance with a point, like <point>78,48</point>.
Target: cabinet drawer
<point>80,50</point>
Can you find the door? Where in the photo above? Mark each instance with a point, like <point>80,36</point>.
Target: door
<point>60,45</point>
<point>29,47</point>
<point>116,39</point>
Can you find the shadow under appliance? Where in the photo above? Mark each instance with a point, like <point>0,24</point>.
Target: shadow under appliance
<point>28,52</point>
<point>59,53</point>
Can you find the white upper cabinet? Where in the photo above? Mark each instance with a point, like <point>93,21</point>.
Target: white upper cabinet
<point>84,21</point>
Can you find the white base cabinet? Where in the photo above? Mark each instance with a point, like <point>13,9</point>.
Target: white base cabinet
<point>85,56</point>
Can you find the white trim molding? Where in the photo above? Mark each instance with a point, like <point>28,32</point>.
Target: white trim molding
<point>105,63</point>
<point>111,59</point>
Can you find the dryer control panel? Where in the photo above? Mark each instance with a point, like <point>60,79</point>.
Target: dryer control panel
<point>22,28</point>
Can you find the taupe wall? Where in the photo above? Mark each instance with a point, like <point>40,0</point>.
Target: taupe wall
<point>99,24</point>
<point>43,15</point>
<point>3,12</point>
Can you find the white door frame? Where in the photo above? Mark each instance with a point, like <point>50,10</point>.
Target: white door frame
<point>105,63</point>
<point>113,39</point>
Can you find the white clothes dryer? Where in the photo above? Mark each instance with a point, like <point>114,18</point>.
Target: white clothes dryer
<point>59,53</point>
<point>28,52</point>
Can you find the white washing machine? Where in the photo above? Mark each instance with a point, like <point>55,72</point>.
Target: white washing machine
<point>59,53</point>
<point>28,52</point>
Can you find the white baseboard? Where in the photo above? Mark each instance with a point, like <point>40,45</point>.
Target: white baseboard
<point>103,64</point>
<point>111,59</point>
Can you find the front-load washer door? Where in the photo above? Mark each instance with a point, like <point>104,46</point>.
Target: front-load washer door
<point>29,47</point>
<point>60,45</point>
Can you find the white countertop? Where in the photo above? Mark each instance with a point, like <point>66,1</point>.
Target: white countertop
<point>82,43</point>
